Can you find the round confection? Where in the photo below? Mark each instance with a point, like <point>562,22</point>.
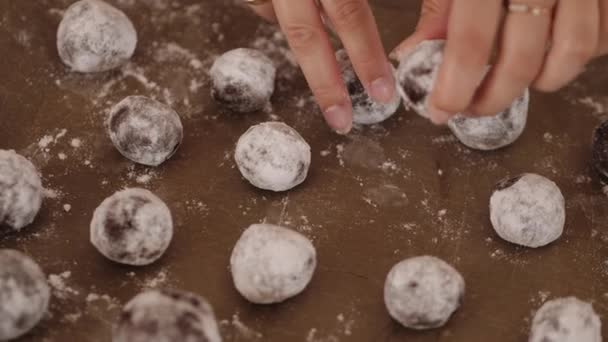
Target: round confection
<point>492,132</point>
<point>270,264</point>
<point>416,74</point>
<point>273,156</point>
<point>242,80</point>
<point>566,320</point>
<point>528,210</point>
<point>600,151</point>
<point>166,316</point>
<point>21,191</point>
<point>132,227</point>
<point>423,292</point>
<point>24,294</point>
<point>366,111</point>
<point>94,36</point>
<point>144,130</point>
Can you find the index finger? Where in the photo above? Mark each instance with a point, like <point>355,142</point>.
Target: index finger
<point>472,28</point>
<point>305,32</point>
<point>355,24</point>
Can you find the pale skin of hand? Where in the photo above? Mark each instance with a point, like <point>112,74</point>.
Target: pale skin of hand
<point>544,52</point>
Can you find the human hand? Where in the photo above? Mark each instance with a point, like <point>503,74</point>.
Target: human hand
<point>305,31</point>
<point>544,44</point>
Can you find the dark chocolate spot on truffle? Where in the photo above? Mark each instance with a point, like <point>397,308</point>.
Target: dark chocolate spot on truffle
<point>413,91</point>
<point>508,182</point>
<point>119,220</point>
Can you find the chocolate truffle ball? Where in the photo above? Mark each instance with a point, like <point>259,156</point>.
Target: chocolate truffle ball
<point>144,130</point>
<point>132,227</point>
<point>487,133</point>
<point>366,111</point>
<point>423,292</point>
<point>528,210</point>
<point>242,80</point>
<point>167,316</point>
<point>566,320</point>
<point>24,292</point>
<point>271,264</point>
<point>94,36</point>
<point>273,156</point>
<point>21,191</point>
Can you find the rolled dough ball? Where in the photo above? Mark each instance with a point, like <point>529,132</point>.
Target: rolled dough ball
<point>423,292</point>
<point>566,320</point>
<point>600,151</point>
<point>528,210</point>
<point>273,156</point>
<point>366,111</point>
<point>416,75</point>
<point>21,191</point>
<point>132,227</point>
<point>167,316</point>
<point>94,36</point>
<point>144,130</point>
<point>271,264</point>
<point>242,80</point>
<point>492,132</point>
<point>24,294</point>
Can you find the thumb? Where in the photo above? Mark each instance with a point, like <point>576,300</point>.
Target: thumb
<point>432,24</point>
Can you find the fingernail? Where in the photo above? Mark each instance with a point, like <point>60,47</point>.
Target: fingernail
<point>383,88</point>
<point>438,116</point>
<point>339,117</point>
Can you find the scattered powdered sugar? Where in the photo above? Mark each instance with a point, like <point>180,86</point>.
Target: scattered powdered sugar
<point>156,281</point>
<point>240,329</point>
<point>60,287</point>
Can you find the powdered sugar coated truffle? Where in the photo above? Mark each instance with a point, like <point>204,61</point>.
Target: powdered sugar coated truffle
<point>167,315</point>
<point>423,292</point>
<point>366,111</point>
<point>417,72</point>
<point>528,210</point>
<point>270,264</point>
<point>94,36</point>
<point>492,132</point>
<point>132,227</point>
<point>273,156</point>
<point>566,320</point>
<point>24,294</point>
<point>21,191</point>
<point>144,130</point>
<point>242,80</point>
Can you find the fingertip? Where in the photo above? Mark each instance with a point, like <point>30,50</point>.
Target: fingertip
<point>438,116</point>
<point>383,89</point>
<point>339,118</point>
